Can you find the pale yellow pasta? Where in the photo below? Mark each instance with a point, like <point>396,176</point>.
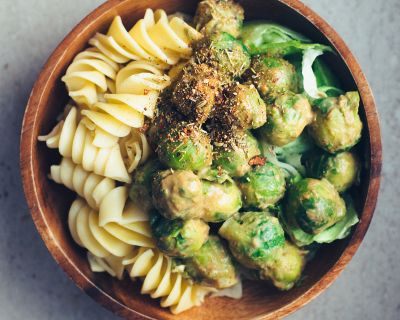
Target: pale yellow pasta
<point>154,38</point>
<point>135,149</point>
<point>90,73</point>
<point>161,281</point>
<point>111,239</point>
<point>111,264</point>
<point>90,186</point>
<point>137,88</point>
<point>74,140</point>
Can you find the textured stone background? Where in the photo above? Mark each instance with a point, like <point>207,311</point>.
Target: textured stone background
<point>32,286</point>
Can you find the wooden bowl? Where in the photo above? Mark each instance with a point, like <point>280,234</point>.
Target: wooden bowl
<point>49,203</point>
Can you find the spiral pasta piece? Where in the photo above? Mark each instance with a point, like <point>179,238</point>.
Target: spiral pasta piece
<point>153,38</point>
<point>74,140</point>
<point>88,185</point>
<point>112,239</point>
<point>135,149</point>
<point>136,91</point>
<point>111,264</point>
<point>90,73</point>
<point>161,281</point>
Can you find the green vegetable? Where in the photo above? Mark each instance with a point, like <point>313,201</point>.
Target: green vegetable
<point>195,91</point>
<point>273,76</point>
<point>263,186</point>
<point>221,200</point>
<point>324,75</point>
<point>212,265</point>
<point>178,194</point>
<point>241,108</point>
<point>341,170</point>
<point>292,152</point>
<point>224,53</point>
<point>139,191</point>
<point>289,48</point>
<point>215,16</point>
<point>338,231</point>
<point>314,205</point>
<point>257,33</point>
<point>289,156</point>
<point>286,119</point>
<point>252,236</point>
<point>178,238</point>
<point>284,267</point>
<point>337,126</point>
<point>234,156</point>
<point>184,147</point>
<point>257,241</point>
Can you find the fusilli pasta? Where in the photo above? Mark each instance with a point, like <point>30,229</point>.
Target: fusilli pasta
<point>74,140</point>
<point>112,238</point>
<point>90,186</point>
<point>161,281</point>
<point>90,73</point>
<point>137,88</point>
<point>111,264</point>
<point>135,149</point>
<point>154,38</point>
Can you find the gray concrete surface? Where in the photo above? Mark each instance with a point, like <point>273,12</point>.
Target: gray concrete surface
<point>32,286</point>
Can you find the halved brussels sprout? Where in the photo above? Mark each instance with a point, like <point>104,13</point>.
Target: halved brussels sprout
<point>212,265</point>
<point>286,119</point>
<point>337,126</point>
<point>314,205</point>
<point>252,236</point>
<point>221,200</point>
<point>262,186</point>
<point>232,152</point>
<point>140,190</point>
<point>284,267</point>
<point>195,91</point>
<point>178,238</point>
<point>341,170</point>
<point>242,107</point>
<point>219,16</point>
<point>224,53</point>
<point>273,76</point>
<point>184,147</point>
<point>178,194</point>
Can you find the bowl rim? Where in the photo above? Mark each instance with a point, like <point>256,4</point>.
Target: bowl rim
<point>27,142</point>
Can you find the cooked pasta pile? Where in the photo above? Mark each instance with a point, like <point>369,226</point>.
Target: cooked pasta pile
<point>114,85</point>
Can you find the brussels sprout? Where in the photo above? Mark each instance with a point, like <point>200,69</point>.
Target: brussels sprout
<point>195,91</point>
<point>337,126</point>
<point>262,186</point>
<point>341,170</point>
<point>224,53</point>
<point>178,194</point>
<point>166,117</point>
<point>219,16</point>
<point>286,119</point>
<point>185,147</point>
<point>284,267</point>
<point>273,76</point>
<point>178,238</point>
<point>141,182</point>
<point>252,236</point>
<point>212,265</point>
<point>242,107</point>
<point>314,205</point>
<point>233,152</point>
<point>221,200</point>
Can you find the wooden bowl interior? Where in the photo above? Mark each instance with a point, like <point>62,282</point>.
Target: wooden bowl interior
<point>260,300</point>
